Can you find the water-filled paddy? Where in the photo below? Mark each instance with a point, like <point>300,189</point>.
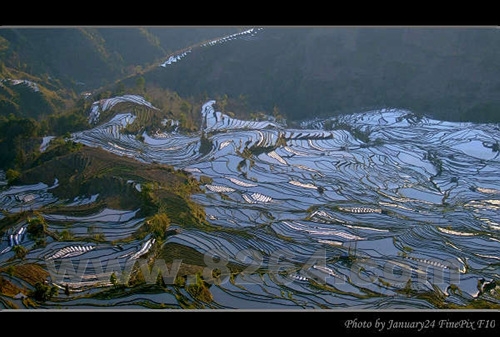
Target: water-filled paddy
<point>317,218</point>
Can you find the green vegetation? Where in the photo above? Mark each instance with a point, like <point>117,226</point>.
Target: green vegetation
<point>59,65</point>
<point>31,274</point>
<point>12,176</point>
<point>308,72</point>
<point>20,141</point>
<point>65,235</point>
<point>20,251</point>
<point>158,225</point>
<point>165,194</point>
<point>43,292</point>
<point>113,279</point>
<point>199,289</point>
<point>37,227</point>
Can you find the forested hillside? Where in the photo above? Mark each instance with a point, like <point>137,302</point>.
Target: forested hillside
<point>450,73</point>
<point>49,77</point>
<point>89,58</point>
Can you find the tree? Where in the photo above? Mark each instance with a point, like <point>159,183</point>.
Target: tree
<point>140,84</point>
<point>65,235</point>
<point>199,289</point>
<point>20,251</point>
<point>12,175</point>
<point>113,279</point>
<point>158,224</point>
<point>37,227</point>
<point>43,292</point>
<point>222,102</point>
<point>120,89</point>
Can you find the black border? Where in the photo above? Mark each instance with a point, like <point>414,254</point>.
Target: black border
<point>244,322</point>
<point>296,322</point>
<point>190,13</point>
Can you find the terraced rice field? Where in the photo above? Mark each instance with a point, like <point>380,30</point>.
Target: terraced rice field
<point>314,217</point>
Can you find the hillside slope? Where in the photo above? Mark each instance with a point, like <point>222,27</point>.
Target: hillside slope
<point>447,72</point>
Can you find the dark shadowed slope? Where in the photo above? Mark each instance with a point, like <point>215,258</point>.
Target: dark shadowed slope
<point>447,72</point>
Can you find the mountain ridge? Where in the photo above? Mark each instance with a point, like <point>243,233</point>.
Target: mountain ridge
<point>449,72</point>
